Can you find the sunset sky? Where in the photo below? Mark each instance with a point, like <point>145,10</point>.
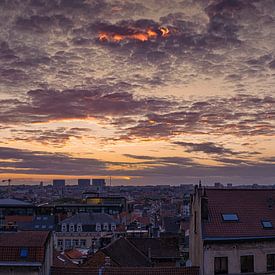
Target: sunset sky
<point>148,91</point>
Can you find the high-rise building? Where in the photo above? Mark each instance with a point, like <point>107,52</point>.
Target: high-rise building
<point>58,183</point>
<point>84,182</point>
<point>99,184</point>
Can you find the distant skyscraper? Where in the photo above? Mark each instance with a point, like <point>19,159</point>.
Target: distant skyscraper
<point>84,182</point>
<point>98,184</point>
<point>58,183</point>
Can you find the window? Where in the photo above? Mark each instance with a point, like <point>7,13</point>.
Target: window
<point>106,227</point>
<point>113,226</point>
<point>36,226</point>
<point>59,242</point>
<point>247,263</point>
<point>270,262</point>
<point>75,243</point>
<point>267,224</point>
<point>98,227</point>
<point>45,218</point>
<point>71,227</point>
<point>44,226</point>
<point>64,227</point>
<point>79,227</point>
<point>24,252</point>
<point>230,217</point>
<point>221,265</point>
<point>82,243</point>
<point>68,243</point>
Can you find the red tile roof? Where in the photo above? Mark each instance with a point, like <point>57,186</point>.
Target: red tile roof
<point>74,254</point>
<point>127,271</point>
<point>251,205</point>
<point>17,218</point>
<point>11,243</point>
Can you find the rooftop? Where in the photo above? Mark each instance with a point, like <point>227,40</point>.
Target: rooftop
<point>89,218</point>
<point>23,246</point>
<point>239,213</point>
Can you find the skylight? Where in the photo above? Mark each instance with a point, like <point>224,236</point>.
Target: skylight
<point>230,217</point>
<point>24,252</point>
<point>267,224</point>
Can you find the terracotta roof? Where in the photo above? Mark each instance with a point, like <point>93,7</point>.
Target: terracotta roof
<point>61,260</point>
<point>12,243</point>
<point>24,239</point>
<point>74,254</point>
<point>97,260</point>
<point>159,247</point>
<point>252,206</point>
<point>121,253</point>
<point>127,271</point>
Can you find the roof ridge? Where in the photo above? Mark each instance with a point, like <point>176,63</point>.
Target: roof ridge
<point>147,258</point>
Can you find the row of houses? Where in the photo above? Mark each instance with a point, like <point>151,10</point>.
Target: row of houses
<point>231,231</point>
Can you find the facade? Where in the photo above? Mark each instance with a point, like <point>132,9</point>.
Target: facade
<point>12,207</point>
<point>232,231</point>
<point>84,230</point>
<point>28,253</point>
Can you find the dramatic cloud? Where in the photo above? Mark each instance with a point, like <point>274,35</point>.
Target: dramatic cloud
<point>57,137</point>
<point>191,81</point>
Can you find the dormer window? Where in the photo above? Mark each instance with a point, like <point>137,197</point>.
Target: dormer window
<point>230,217</point>
<point>113,226</point>
<point>105,227</point>
<point>71,227</point>
<point>64,227</point>
<point>98,227</point>
<point>24,252</point>
<point>79,227</point>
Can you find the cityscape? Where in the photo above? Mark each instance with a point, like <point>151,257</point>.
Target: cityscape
<point>137,137</point>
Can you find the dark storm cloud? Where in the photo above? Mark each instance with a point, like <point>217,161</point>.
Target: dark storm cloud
<point>57,137</point>
<point>240,115</point>
<point>206,147</point>
<point>36,162</point>
<point>98,102</point>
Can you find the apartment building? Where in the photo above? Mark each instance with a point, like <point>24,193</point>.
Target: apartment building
<point>232,231</point>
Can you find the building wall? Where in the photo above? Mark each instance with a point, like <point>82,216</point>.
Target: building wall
<point>195,233</point>
<point>48,259</point>
<point>91,238</point>
<point>234,251</point>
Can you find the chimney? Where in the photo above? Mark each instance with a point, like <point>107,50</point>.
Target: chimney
<point>149,254</point>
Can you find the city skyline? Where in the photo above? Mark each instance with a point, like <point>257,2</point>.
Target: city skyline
<point>148,92</point>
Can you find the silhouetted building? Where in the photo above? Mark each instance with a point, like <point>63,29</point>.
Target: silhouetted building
<point>98,184</point>
<point>84,183</point>
<point>58,183</point>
